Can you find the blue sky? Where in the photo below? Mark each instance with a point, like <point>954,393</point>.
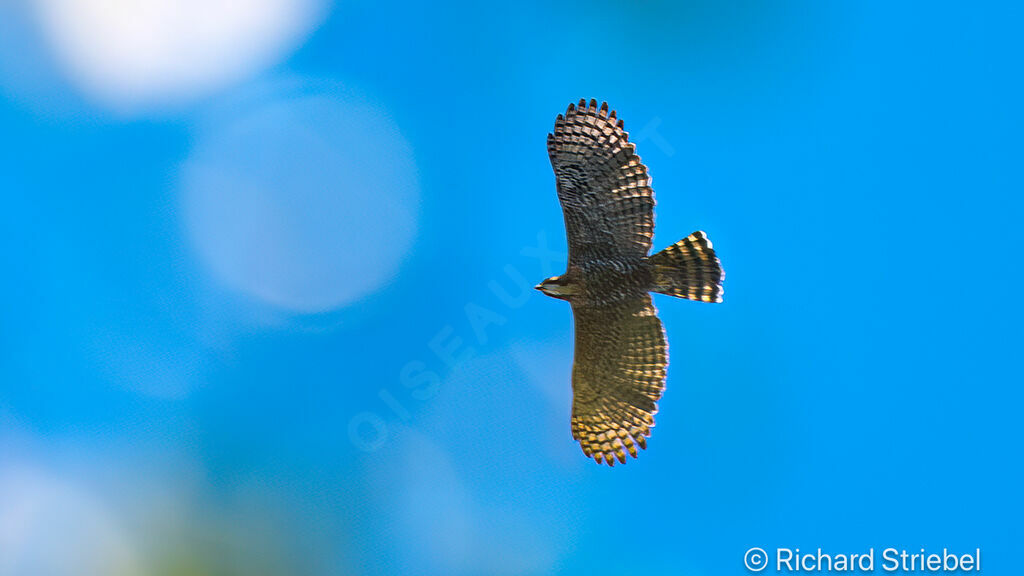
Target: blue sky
<point>264,281</point>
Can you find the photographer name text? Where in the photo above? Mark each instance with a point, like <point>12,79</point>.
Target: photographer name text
<point>892,560</point>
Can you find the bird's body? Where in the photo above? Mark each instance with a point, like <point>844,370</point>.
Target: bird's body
<point>621,353</point>
<point>605,283</point>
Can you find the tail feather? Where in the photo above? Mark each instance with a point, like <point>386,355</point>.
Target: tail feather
<point>689,269</point>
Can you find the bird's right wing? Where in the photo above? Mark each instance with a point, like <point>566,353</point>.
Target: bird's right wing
<point>618,376</point>
<point>602,185</point>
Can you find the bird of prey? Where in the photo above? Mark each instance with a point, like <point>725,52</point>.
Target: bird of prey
<point>621,354</point>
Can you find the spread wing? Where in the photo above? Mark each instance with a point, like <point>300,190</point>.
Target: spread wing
<point>618,376</point>
<point>602,185</point>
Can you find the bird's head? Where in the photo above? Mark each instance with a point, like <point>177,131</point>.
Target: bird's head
<point>557,287</point>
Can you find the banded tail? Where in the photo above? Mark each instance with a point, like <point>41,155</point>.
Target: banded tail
<point>689,269</point>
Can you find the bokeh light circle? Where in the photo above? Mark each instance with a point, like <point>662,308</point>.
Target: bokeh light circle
<point>306,202</point>
<point>155,53</point>
<point>49,526</point>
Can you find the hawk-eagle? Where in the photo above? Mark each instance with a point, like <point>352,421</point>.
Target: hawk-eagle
<point>621,354</point>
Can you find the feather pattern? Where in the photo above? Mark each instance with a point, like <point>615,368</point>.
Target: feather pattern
<point>621,353</point>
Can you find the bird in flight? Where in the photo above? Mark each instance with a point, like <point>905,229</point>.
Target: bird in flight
<point>621,354</point>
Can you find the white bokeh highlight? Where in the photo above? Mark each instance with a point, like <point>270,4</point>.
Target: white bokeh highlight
<point>50,527</point>
<point>140,54</point>
<point>305,202</point>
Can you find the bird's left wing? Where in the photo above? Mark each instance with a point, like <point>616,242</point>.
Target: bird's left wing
<point>602,185</point>
<point>618,376</point>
